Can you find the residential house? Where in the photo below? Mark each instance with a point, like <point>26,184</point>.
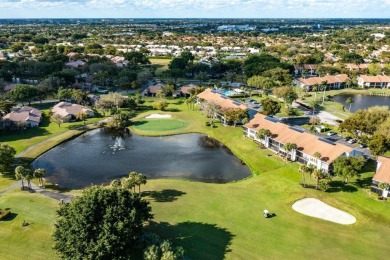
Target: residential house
<point>185,90</point>
<point>356,67</point>
<point>29,116</point>
<point>223,103</point>
<point>309,145</point>
<point>332,82</point>
<point>380,81</point>
<point>75,64</point>
<point>153,89</point>
<point>382,175</point>
<point>68,111</point>
<point>311,69</point>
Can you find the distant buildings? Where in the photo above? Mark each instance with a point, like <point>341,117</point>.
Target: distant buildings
<point>310,68</point>
<point>232,28</point>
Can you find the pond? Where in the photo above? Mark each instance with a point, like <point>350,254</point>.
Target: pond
<point>362,101</point>
<point>98,157</point>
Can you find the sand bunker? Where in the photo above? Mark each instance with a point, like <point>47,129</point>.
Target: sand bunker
<point>159,116</point>
<point>318,209</point>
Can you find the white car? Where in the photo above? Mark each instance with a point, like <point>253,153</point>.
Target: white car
<point>331,133</point>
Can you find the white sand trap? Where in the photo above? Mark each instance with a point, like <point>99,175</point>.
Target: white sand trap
<point>318,209</point>
<point>159,116</point>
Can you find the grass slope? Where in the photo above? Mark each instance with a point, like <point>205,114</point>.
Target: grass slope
<point>33,241</point>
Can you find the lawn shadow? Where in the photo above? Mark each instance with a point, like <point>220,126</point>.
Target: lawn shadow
<point>364,182</point>
<point>167,195</point>
<point>137,123</point>
<point>172,110</point>
<point>199,240</point>
<point>57,188</point>
<point>338,186</point>
<point>11,216</point>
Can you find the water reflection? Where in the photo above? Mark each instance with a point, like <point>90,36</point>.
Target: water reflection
<point>99,157</point>
<point>361,101</point>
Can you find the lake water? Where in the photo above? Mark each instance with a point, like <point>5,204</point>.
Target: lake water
<point>362,101</point>
<point>97,157</point>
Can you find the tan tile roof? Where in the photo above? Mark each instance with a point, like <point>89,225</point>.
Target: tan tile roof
<point>383,170</point>
<point>64,109</point>
<point>329,79</point>
<point>375,79</point>
<point>154,89</point>
<point>24,114</point>
<point>185,89</point>
<point>306,142</point>
<point>223,102</point>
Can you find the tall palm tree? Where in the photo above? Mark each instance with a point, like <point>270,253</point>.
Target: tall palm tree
<point>39,173</point>
<point>318,174</point>
<point>350,101</point>
<point>288,147</point>
<point>262,133</point>
<point>19,174</point>
<point>140,180</point>
<point>28,176</point>
<point>303,169</point>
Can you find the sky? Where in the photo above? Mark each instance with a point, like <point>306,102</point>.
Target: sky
<point>194,9</point>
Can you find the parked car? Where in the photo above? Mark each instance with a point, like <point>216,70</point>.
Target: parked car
<point>362,145</point>
<point>352,141</point>
<point>331,133</point>
<point>347,138</point>
<point>366,157</point>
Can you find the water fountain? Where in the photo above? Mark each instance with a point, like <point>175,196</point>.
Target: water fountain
<point>119,144</point>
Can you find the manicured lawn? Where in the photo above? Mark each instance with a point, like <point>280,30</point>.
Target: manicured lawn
<point>162,65</point>
<point>217,221</point>
<point>5,182</point>
<point>33,241</point>
<point>20,140</point>
<point>160,124</point>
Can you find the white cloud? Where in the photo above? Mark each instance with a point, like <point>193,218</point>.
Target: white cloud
<point>201,8</point>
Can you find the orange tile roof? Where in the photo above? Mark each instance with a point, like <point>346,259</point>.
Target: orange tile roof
<point>383,170</point>
<point>222,101</point>
<point>306,142</point>
<point>329,79</point>
<point>375,79</point>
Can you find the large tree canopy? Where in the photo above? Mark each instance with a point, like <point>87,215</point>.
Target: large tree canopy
<point>102,223</point>
<point>7,156</point>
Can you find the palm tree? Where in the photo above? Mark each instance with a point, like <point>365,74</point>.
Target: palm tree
<point>133,179</point>
<point>28,176</point>
<point>262,133</point>
<point>127,183</point>
<point>317,155</point>
<point>140,179</point>
<point>39,173</point>
<point>288,147</point>
<point>318,174</point>
<point>19,174</point>
<point>350,101</point>
<point>324,85</point>
<point>303,169</point>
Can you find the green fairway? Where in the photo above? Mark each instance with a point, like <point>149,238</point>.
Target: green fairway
<point>217,221</point>
<point>161,64</point>
<point>32,241</point>
<point>160,124</point>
